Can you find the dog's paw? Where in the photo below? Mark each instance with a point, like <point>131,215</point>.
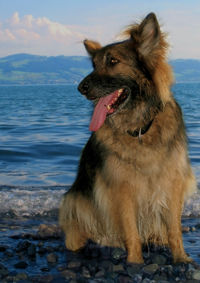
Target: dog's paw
<point>135,259</point>
<point>184,259</point>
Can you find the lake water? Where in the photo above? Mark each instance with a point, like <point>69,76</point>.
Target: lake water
<point>42,132</point>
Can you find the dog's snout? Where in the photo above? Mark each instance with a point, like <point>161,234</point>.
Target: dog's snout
<point>83,87</point>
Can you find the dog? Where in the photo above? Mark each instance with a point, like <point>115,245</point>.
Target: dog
<point>134,173</point>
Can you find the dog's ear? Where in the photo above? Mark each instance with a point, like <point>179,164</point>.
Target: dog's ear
<point>151,45</point>
<point>148,35</point>
<point>91,46</point>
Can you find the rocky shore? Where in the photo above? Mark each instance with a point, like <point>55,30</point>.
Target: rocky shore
<point>40,256</point>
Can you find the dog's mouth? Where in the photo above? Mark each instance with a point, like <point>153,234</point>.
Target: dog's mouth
<point>108,105</point>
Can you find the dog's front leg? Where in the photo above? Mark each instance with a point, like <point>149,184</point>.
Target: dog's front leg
<point>125,211</point>
<point>174,228</point>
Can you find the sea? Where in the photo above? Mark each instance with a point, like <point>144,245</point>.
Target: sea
<point>43,129</point>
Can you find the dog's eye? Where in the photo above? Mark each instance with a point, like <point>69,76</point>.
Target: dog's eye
<point>111,61</point>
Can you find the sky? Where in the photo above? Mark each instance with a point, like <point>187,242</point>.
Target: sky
<point>58,27</point>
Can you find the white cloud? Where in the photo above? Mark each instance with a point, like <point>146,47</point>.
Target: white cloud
<point>39,36</point>
<point>43,36</point>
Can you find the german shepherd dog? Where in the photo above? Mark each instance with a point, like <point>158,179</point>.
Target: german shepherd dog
<point>134,173</point>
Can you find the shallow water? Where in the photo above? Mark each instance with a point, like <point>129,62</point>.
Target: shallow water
<point>42,132</point>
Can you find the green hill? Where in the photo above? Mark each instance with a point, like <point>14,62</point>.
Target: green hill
<point>32,69</point>
<point>23,69</point>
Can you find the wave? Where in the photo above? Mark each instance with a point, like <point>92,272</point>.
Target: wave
<point>30,201</point>
<point>43,201</point>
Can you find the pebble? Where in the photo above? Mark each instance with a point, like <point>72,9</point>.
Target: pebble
<point>48,231</point>
<point>68,274</point>
<point>196,275</point>
<point>21,264</point>
<point>92,264</point>
<point>151,268</point>
<point>85,272</point>
<point>74,264</point>
<point>23,246</point>
<point>133,269</point>
<point>159,259</point>
<point>31,250</point>
<point>21,276</point>
<point>137,278</point>
<point>118,267</point>
<point>117,254</point>
<point>185,229</point>
<point>52,258</point>
<point>100,273</point>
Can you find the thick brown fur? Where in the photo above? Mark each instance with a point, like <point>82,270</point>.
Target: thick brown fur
<point>131,189</point>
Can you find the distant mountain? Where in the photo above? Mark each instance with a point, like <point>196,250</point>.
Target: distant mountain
<point>31,69</point>
<point>23,69</point>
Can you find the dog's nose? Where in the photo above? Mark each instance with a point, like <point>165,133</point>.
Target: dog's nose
<point>83,87</point>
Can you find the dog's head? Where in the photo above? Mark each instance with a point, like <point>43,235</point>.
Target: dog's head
<point>129,72</point>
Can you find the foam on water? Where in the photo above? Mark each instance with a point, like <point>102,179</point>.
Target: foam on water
<point>44,201</point>
<point>30,201</point>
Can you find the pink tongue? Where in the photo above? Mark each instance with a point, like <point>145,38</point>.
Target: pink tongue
<point>100,111</point>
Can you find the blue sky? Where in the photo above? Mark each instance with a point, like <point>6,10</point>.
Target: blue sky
<point>57,27</point>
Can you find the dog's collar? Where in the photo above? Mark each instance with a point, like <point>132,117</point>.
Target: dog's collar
<point>140,131</point>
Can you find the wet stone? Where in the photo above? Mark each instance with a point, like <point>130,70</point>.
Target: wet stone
<point>105,252</point>
<point>74,264</point>
<point>21,264</point>
<point>124,279</point>
<point>107,265</point>
<point>100,273</point>
<point>68,274</point>
<point>185,229</point>
<point>118,253</point>
<point>23,246</point>
<point>59,279</point>
<point>62,267</point>
<point>137,278</point>
<point>160,278</point>
<point>31,250</point>
<point>52,258</point>
<point>151,268</point>
<point>21,276</point>
<point>42,250</point>
<point>146,280</point>
<point>48,231</point>
<point>133,269</point>
<point>93,267</point>
<point>85,272</point>
<point>196,275</point>
<point>159,259</point>
<point>118,267</point>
